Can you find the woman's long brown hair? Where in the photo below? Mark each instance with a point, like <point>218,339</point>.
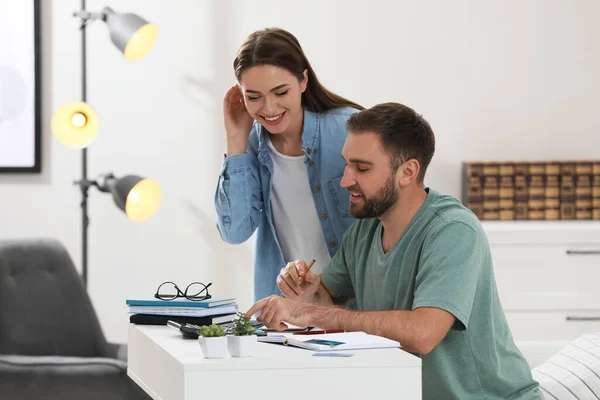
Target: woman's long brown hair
<point>275,46</point>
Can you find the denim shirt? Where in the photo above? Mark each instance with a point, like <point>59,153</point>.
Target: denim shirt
<point>242,198</point>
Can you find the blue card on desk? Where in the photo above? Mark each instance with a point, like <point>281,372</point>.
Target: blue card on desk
<point>332,355</point>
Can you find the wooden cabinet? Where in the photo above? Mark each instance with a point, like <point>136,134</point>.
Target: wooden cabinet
<point>548,277</point>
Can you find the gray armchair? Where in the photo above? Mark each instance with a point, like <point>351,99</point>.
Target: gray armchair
<point>51,343</point>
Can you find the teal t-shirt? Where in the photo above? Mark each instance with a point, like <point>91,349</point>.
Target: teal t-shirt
<point>442,260</point>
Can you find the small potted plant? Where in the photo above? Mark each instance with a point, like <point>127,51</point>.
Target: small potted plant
<point>242,341</point>
<point>212,341</point>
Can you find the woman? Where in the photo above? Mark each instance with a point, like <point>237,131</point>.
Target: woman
<point>282,170</point>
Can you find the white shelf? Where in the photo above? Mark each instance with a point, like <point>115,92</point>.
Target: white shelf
<point>543,232</point>
<point>537,224</point>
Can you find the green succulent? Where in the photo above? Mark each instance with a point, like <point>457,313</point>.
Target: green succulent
<point>212,331</point>
<point>242,326</point>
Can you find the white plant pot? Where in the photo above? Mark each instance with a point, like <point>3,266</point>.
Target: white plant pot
<point>213,347</point>
<point>241,346</point>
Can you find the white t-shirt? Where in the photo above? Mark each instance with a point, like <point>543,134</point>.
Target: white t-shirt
<point>294,214</point>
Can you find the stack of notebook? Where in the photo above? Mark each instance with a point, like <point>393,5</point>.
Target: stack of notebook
<point>205,312</point>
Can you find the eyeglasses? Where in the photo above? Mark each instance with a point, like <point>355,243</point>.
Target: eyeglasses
<point>195,291</point>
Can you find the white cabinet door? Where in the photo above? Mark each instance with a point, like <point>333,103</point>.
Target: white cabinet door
<point>552,325</point>
<point>547,277</point>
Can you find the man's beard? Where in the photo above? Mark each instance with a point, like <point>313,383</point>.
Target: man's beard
<point>375,207</point>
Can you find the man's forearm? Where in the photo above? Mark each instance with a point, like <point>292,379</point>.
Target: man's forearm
<point>405,327</point>
<point>398,325</point>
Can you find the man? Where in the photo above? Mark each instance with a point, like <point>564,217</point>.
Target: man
<point>418,264</point>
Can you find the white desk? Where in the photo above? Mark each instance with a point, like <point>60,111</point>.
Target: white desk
<point>169,367</point>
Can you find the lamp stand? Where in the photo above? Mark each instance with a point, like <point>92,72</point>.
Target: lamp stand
<point>84,184</point>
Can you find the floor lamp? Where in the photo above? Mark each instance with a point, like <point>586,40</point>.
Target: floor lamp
<point>75,124</point>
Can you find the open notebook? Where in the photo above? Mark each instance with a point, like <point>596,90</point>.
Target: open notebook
<point>331,341</point>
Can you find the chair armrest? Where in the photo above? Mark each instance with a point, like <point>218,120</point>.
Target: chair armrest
<point>58,378</point>
<point>117,351</point>
<point>57,365</point>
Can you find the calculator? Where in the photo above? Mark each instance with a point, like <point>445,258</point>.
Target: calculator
<point>188,331</point>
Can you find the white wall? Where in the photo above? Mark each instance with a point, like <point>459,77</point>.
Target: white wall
<point>497,80</point>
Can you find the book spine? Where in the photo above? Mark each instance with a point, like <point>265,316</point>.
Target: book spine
<point>491,191</point>
<point>473,188</point>
<point>507,191</point>
<point>552,191</point>
<point>521,191</point>
<point>536,204</point>
<point>583,190</point>
<point>596,190</point>
<point>567,190</point>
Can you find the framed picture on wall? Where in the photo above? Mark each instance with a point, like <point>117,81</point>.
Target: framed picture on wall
<point>20,73</point>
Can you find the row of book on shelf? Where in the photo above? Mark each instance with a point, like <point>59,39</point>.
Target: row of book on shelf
<point>534,190</point>
<point>206,312</point>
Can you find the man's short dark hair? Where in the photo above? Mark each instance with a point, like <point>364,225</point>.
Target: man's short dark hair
<point>404,134</point>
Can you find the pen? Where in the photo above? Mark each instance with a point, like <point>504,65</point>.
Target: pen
<point>307,269</point>
<point>319,332</point>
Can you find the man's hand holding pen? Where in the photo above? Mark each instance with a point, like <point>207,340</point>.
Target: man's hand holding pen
<point>297,282</point>
<point>300,286</point>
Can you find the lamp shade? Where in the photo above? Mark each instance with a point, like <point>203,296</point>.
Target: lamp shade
<point>138,197</point>
<point>131,34</point>
<point>75,125</point>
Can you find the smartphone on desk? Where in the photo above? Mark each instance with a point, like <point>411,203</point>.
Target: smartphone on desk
<point>255,324</point>
<point>258,326</point>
